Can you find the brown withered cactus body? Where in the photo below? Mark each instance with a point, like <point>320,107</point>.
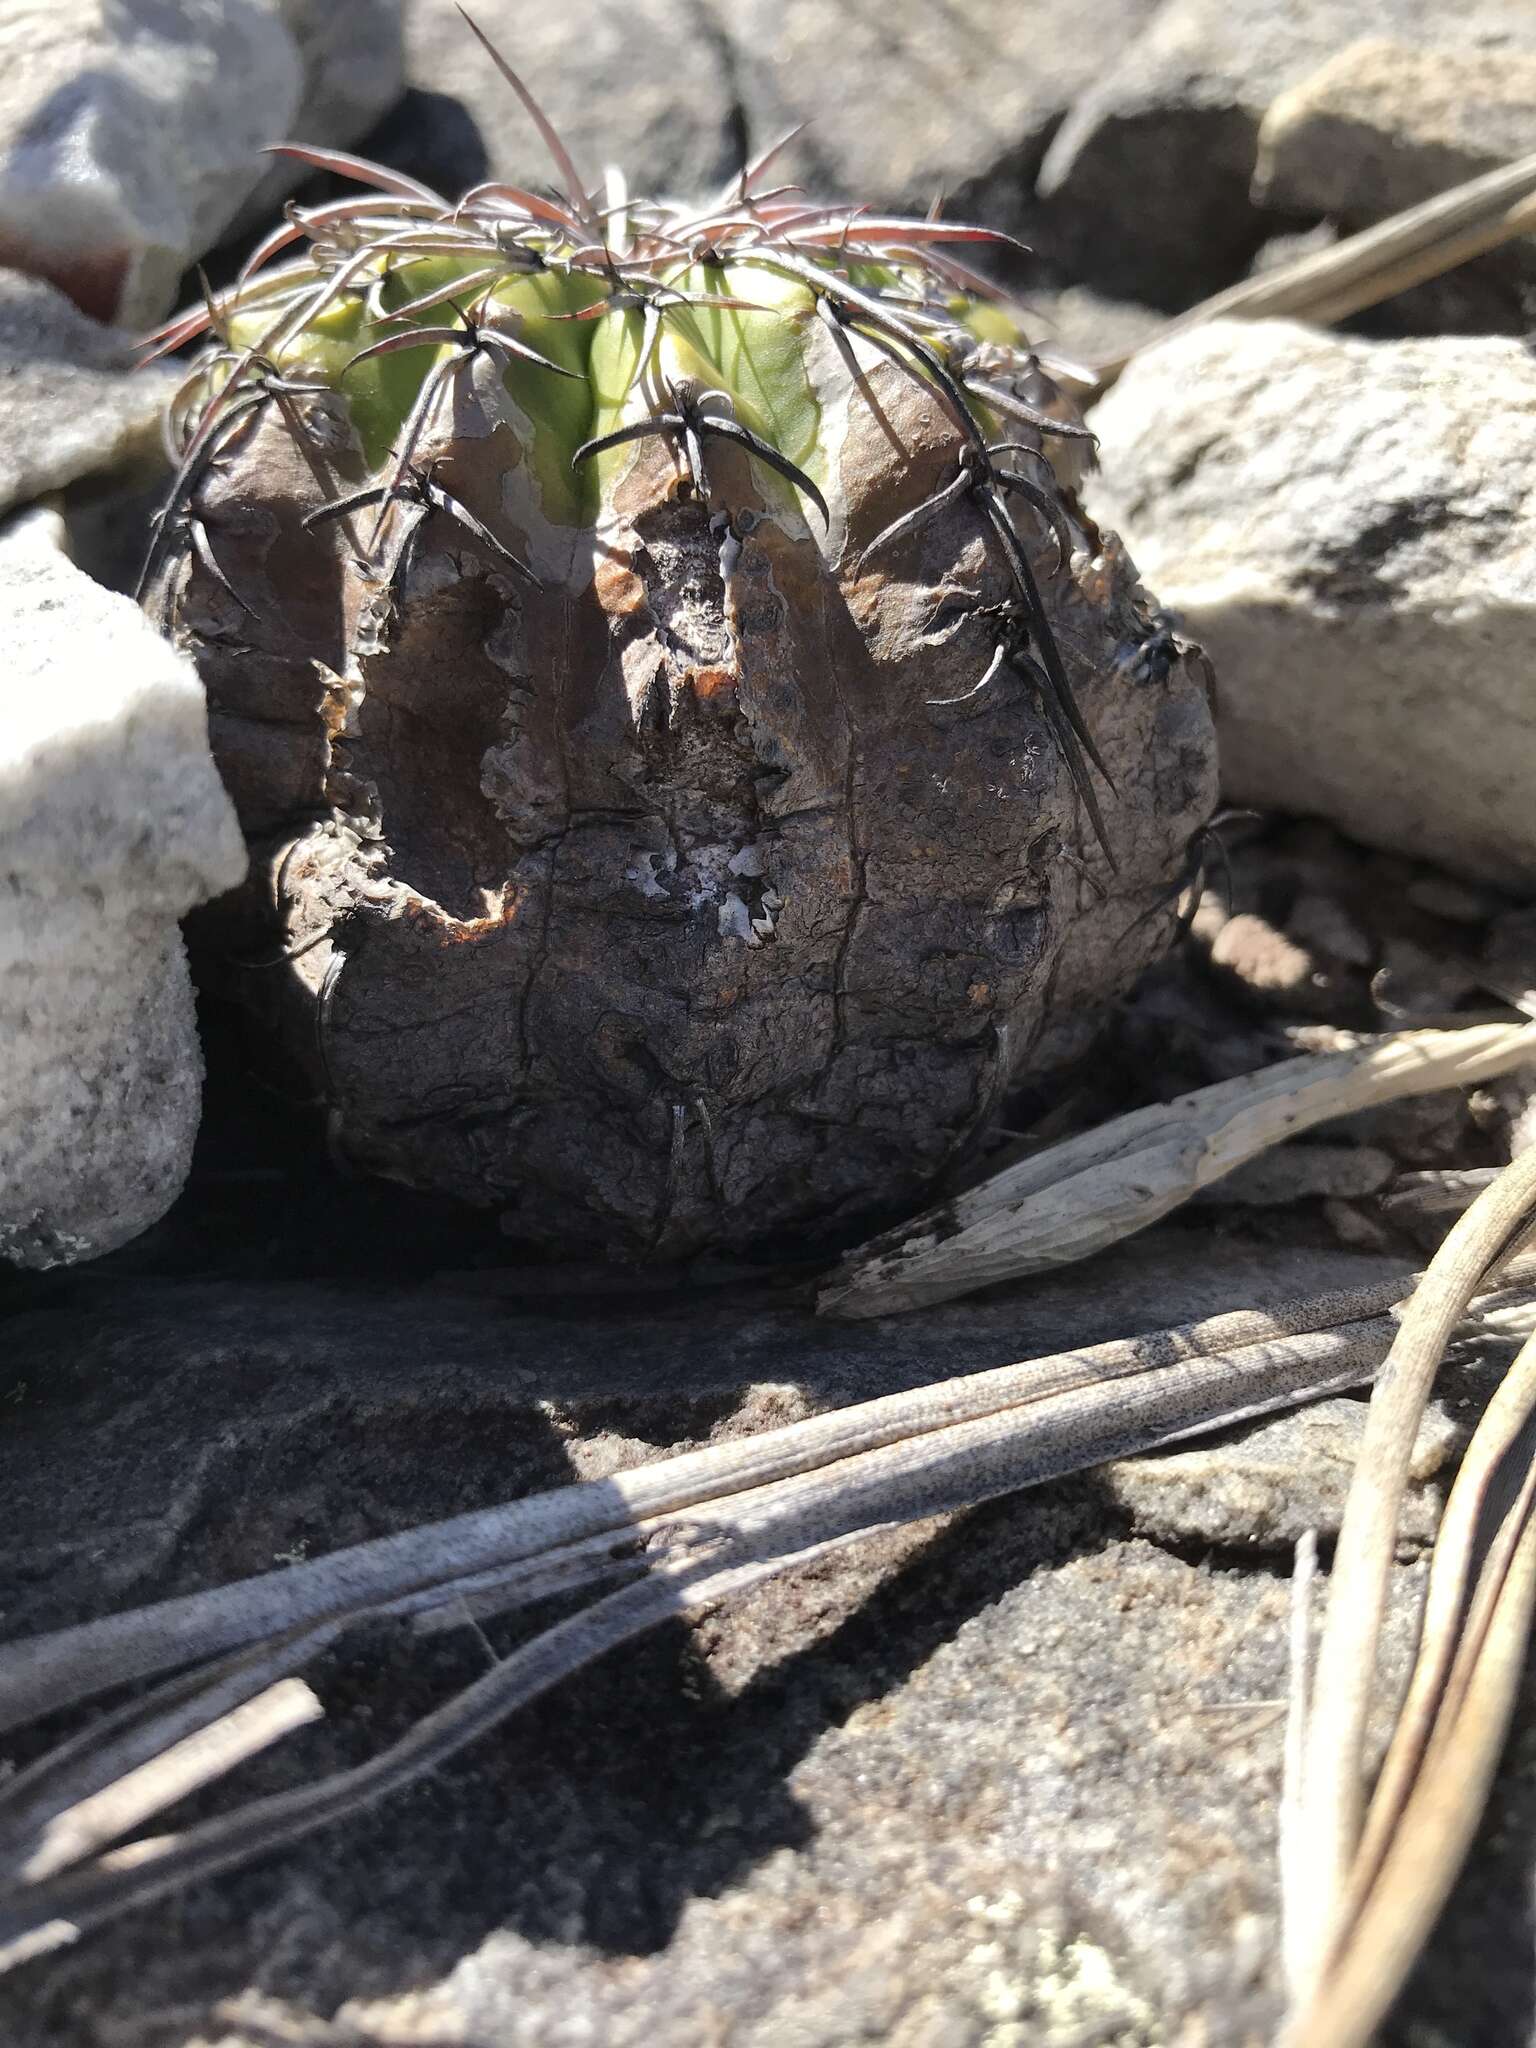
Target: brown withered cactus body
<point>643,860</point>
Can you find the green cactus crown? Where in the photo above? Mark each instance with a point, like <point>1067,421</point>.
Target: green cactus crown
<point>611,318</point>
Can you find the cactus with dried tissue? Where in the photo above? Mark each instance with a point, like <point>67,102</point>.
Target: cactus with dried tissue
<point>696,750</point>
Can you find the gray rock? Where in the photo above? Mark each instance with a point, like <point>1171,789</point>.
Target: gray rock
<point>654,93</point>
<point>954,100</point>
<point>1080,325</point>
<point>1295,1173</point>
<point>70,401</point>
<point>1008,1779</point>
<point>903,101</point>
<point>113,823</point>
<point>1349,527</point>
<point>116,173</point>
<point>1384,125</point>
<point>1148,178</point>
<point>1268,1484</point>
<point>353,57</point>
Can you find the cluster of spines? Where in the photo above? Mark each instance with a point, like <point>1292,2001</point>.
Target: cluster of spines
<point>882,278</point>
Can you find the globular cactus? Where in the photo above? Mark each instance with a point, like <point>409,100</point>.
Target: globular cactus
<point>694,746</point>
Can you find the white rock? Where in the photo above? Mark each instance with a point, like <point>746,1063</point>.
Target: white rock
<point>1350,529</point>
<point>130,132</point>
<point>70,400</point>
<point>113,823</point>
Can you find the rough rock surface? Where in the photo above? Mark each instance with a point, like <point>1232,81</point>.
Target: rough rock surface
<point>1148,178</point>
<point>352,55</point>
<point>129,134</point>
<point>1008,1779</point>
<point>1350,527</point>
<point>1385,125</point>
<point>70,401</point>
<point>113,823</point>
<point>1267,1484</point>
<point>677,125</point>
<point>961,101</point>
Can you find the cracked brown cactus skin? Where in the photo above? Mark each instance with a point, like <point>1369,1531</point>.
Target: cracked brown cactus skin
<point>667,905</point>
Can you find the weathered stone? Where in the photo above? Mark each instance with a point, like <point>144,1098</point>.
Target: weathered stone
<point>112,824</point>
<point>1385,125</point>
<point>353,57</point>
<point>1294,1173</point>
<point>1417,982</point>
<point>117,167</point>
<point>1148,179</point>
<point>1424,1205</point>
<point>1267,1484</point>
<point>1456,902</point>
<point>958,101</point>
<point>1323,924</point>
<point>1508,962</point>
<point>70,401</point>
<point>1350,528</point>
<point>1005,1779</point>
<point>1082,326</point>
<point>661,100</point>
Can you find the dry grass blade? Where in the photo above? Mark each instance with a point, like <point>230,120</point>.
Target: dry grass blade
<point>59,1909</point>
<point>1446,1747</point>
<point>1090,1191</point>
<point>1438,1823</point>
<point>196,1760</point>
<point>1299,1692</point>
<point>114,1747</point>
<point>1333,1788</point>
<point>1420,243</point>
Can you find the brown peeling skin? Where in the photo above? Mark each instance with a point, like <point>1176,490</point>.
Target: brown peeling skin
<point>665,911</point>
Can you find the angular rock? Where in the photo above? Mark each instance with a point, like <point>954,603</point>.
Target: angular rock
<point>116,173</point>
<point>1295,1173</point>
<point>354,64</point>
<point>1385,125</point>
<point>353,58</point>
<point>70,401</point>
<point>1350,528</point>
<point>1148,179</point>
<point>1267,1484</point>
<point>112,824</point>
